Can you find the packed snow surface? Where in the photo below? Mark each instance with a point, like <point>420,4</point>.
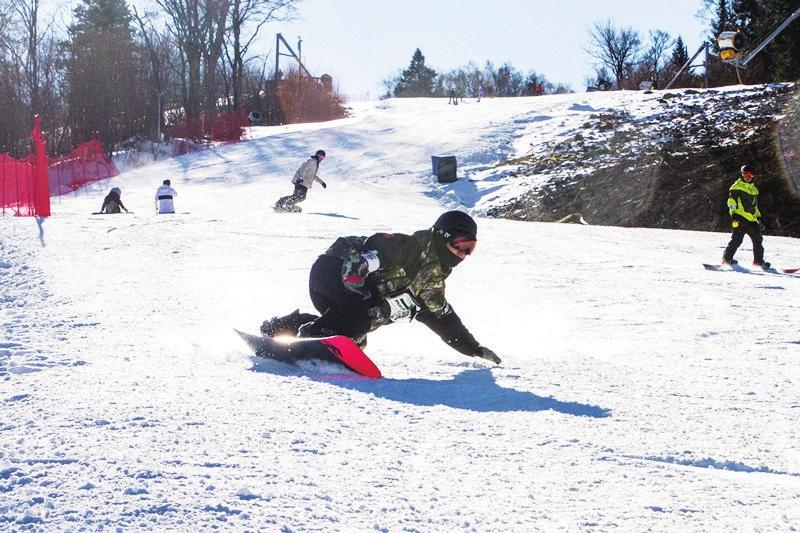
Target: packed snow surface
<point>637,390</point>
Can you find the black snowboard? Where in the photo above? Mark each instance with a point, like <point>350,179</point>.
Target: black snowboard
<point>338,350</point>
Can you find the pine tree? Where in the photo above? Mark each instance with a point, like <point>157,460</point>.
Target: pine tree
<point>101,73</point>
<point>746,15</point>
<point>723,20</point>
<point>779,61</point>
<point>786,61</point>
<point>417,79</point>
<point>680,55</point>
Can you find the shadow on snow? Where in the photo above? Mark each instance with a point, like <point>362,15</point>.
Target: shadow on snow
<point>471,390</point>
<point>332,214</point>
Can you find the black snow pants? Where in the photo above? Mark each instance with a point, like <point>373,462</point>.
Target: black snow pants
<point>343,312</point>
<point>751,229</point>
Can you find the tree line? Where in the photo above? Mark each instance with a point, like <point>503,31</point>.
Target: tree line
<point>470,80</point>
<point>625,58</point>
<point>117,73</point>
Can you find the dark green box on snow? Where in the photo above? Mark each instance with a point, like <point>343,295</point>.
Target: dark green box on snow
<point>444,168</point>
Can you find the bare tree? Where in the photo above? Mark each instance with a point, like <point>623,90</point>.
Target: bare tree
<point>25,13</point>
<point>161,55</point>
<point>214,23</point>
<point>252,14</point>
<point>614,47</point>
<point>389,82</point>
<point>187,28</point>
<point>199,30</point>
<point>654,59</point>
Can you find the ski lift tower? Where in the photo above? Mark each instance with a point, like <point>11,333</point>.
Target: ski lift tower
<point>732,44</point>
<point>278,40</point>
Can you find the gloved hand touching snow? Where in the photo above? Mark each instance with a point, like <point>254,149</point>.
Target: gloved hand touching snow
<point>485,353</point>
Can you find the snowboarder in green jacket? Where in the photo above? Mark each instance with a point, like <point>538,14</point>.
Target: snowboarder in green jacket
<point>745,218</point>
<point>362,283</point>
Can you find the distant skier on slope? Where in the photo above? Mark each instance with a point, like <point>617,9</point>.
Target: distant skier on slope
<point>745,218</point>
<point>164,198</point>
<point>362,283</point>
<point>303,179</point>
<point>112,203</point>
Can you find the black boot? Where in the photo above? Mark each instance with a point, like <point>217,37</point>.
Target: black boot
<point>361,341</point>
<point>286,325</point>
<point>313,330</point>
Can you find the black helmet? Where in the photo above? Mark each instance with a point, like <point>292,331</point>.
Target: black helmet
<point>320,153</point>
<point>455,223</point>
<point>166,182</point>
<point>746,168</point>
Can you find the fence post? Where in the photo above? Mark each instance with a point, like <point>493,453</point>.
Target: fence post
<point>16,181</point>
<point>3,184</point>
<point>41,183</point>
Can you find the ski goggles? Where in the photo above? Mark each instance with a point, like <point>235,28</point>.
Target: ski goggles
<point>463,244</point>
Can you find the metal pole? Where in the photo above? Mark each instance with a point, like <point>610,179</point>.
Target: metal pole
<point>158,119</point>
<point>706,66</point>
<point>770,37</point>
<point>686,65</point>
<point>299,50</point>
<point>277,58</point>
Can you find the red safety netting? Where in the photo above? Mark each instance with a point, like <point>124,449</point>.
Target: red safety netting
<point>23,182</point>
<point>85,164</point>
<point>187,146</point>
<point>16,193</point>
<point>27,184</point>
<point>220,127</point>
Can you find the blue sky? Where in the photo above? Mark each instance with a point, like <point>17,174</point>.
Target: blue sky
<point>360,42</point>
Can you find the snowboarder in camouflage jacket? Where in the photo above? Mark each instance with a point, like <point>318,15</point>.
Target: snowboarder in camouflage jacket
<point>112,203</point>
<point>362,283</point>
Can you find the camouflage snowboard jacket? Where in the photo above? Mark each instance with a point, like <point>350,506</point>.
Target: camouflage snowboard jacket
<point>410,263</point>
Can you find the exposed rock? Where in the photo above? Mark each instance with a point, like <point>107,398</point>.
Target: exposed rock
<point>673,169</point>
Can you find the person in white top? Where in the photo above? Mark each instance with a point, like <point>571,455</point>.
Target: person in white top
<point>164,196</point>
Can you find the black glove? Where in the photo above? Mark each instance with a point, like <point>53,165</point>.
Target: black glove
<point>354,274</point>
<point>485,353</point>
<point>761,226</point>
<point>324,185</point>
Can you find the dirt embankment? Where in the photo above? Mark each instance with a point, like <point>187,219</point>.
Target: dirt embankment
<point>673,170</point>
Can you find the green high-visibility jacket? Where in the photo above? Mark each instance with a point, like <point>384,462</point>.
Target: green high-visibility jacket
<point>743,200</point>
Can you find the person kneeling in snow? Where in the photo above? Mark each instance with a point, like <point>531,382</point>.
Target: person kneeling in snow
<point>164,198</point>
<point>112,203</point>
<point>362,283</point>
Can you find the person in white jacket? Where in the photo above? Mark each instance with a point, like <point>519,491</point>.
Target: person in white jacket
<point>303,179</point>
<point>164,198</point>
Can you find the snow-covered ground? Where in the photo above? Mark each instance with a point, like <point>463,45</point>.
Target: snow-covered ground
<point>637,390</point>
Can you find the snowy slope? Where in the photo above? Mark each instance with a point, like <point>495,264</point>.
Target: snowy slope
<point>637,390</point>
